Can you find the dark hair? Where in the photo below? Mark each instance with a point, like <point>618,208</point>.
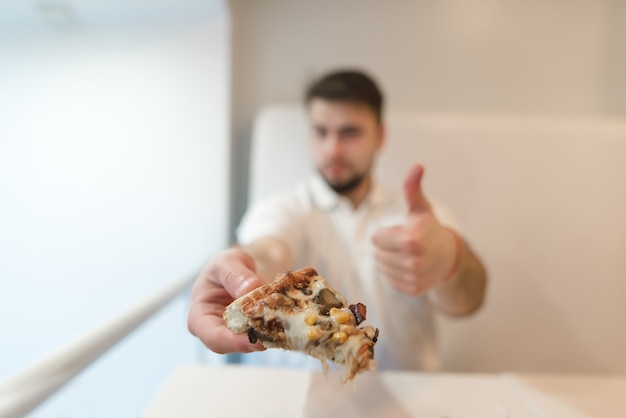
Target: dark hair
<point>347,86</point>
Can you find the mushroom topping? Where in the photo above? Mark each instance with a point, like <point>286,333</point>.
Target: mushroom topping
<point>327,300</point>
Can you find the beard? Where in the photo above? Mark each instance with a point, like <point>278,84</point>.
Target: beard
<point>346,186</point>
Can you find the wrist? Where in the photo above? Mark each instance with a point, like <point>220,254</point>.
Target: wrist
<point>458,252</point>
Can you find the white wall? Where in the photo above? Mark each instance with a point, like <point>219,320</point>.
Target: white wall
<point>615,54</point>
<point>114,164</point>
<point>557,57</point>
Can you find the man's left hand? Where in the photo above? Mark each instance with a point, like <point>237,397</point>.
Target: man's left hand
<point>420,254</point>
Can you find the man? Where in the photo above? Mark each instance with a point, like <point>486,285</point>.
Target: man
<point>390,251</point>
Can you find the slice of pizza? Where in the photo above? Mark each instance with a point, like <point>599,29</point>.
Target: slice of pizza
<point>300,312</point>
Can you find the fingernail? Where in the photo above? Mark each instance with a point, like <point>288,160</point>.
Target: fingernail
<point>256,347</point>
<point>246,286</point>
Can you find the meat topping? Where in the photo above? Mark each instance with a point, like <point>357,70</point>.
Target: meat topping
<point>359,311</point>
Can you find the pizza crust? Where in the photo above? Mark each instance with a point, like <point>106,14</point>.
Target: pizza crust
<point>300,312</point>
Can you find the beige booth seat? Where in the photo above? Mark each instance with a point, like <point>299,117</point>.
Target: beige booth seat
<point>543,201</point>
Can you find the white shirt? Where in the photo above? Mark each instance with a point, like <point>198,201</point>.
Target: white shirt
<point>325,232</point>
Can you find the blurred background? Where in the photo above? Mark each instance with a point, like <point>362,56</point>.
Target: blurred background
<point>114,121</point>
<point>125,130</point>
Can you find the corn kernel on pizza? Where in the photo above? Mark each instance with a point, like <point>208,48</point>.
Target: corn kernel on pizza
<point>300,312</point>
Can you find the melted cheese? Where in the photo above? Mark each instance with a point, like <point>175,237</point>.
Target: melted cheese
<point>296,330</point>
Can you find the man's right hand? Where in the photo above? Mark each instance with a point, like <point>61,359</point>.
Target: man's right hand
<point>229,276</point>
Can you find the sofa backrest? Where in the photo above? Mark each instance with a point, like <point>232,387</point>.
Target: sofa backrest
<point>542,201</point>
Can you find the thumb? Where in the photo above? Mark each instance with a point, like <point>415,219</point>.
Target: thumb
<point>236,272</point>
<point>415,199</point>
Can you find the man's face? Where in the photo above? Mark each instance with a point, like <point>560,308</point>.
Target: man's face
<point>345,139</point>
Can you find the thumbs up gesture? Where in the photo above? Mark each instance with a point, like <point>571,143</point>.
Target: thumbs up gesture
<point>420,254</point>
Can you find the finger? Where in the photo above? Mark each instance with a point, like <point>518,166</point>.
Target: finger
<point>402,282</point>
<point>413,289</point>
<point>397,239</point>
<point>214,334</point>
<point>405,263</point>
<point>415,198</point>
<point>394,273</point>
<point>237,274</point>
<point>240,281</point>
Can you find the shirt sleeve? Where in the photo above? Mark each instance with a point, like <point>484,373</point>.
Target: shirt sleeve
<point>280,217</point>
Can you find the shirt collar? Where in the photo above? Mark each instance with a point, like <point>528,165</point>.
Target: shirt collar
<point>327,199</point>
